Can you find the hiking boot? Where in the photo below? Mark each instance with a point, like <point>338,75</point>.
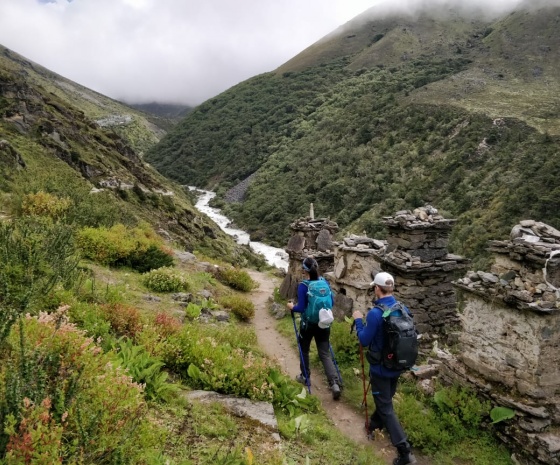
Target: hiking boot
<point>372,428</point>
<point>405,456</point>
<point>301,379</point>
<point>406,459</point>
<point>335,388</point>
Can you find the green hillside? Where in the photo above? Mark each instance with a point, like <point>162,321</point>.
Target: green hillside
<point>48,145</point>
<point>385,114</point>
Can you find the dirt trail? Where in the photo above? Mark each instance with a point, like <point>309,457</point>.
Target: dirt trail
<point>347,419</point>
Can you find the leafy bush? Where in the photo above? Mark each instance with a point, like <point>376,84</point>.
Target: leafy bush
<point>219,358</point>
<point>167,324</point>
<point>90,319</point>
<point>45,204</point>
<point>291,396</point>
<point>236,279</point>
<point>138,248</point>
<point>57,380</point>
<point>193,311</point>
<point>453,414</point>
<point>124,319</point>
<point>460,409</point>
<point>35,256</point>
<point>165,279</point>
<point>239,306</point>
<point>345,345</point>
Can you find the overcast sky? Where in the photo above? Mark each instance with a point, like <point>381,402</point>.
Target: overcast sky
<point>183,51</point>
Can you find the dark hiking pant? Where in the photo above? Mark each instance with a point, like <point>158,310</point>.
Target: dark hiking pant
<point>309,331</point>
<point>383,390</point>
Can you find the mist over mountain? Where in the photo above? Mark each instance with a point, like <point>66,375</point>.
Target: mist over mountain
<point>460,109</point>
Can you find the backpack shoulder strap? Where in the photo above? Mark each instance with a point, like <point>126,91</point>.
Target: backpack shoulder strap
<point>386,310</point>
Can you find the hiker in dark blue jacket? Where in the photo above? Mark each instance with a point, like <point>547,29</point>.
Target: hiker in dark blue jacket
<point>309,331</point>
<point>383,380</point>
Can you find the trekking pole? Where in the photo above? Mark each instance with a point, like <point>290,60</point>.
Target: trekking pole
<point>336,366</point>
<point>307,382</point>
<point>364,399</point>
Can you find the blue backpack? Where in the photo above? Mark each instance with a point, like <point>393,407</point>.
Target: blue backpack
<point>319,296</point>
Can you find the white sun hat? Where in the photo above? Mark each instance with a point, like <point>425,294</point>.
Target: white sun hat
<point>383,279</point>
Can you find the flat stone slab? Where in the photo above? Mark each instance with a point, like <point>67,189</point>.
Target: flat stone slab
<point>260,411</point>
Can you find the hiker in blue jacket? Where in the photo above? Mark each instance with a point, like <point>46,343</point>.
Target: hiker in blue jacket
<point>309,331</point>
<point>383,380</point>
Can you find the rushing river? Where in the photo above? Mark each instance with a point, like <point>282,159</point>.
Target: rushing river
<point>273,255</point>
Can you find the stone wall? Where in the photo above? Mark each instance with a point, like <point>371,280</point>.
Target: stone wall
<point>356,260</point>
<point>509,346</point>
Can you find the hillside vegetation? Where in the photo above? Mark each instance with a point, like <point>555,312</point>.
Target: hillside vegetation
<point>387,114</point>
<point>50,147</point>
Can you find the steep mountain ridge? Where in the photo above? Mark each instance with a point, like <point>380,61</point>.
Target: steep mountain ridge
<point>47,144</point>
<point>139,130</point>
<point>384,115</point>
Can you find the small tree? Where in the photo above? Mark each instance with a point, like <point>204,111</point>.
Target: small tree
<point>35,255</point>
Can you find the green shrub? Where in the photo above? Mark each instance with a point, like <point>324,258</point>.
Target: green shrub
<point>90,319</point>
<point>236,279</point>
<point>345,345</point>
<point>460,409</point>
<point>239,306</point>
<point>193,311</point>
<point>35,256</point>
<point>219,358</point>
<point>454,414</point>
<point>165,279</point>
<point>45,204</point>
<point>138,248</point>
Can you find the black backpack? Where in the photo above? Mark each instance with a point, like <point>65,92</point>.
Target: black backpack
<point>400,340</point>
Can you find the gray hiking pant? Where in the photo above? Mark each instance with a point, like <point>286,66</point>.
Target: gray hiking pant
<point>383,390</point>
<point>307,332</point>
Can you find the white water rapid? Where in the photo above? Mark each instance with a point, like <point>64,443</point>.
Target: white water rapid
<point>273,256</point>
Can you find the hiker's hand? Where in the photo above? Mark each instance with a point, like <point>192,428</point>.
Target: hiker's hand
<point>357,315</point>
<point>290,304</point>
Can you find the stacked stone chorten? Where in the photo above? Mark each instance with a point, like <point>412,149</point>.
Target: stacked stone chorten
<point>310,237</point>
<point>417,254</point>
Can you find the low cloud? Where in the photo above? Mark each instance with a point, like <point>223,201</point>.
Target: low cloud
<point>180,51</point>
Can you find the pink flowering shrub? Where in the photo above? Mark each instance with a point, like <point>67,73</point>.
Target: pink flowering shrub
<point>59,380</point>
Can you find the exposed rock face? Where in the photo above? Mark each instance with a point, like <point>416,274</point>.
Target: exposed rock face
<point>237,192</point>
<point>10,157</point>
<point>510,338</point>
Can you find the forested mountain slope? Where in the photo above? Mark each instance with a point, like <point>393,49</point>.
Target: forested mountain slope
<point>49,145</point>
<point>385,114</point>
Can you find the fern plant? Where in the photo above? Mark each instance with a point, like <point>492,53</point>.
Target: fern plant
<point>145,369</point>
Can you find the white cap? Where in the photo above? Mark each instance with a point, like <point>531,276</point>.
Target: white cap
<point>383,279</point>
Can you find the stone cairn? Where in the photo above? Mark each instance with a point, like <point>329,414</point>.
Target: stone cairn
<point>310,237</point>
<point>415,252</point>
<point>509,344</point>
